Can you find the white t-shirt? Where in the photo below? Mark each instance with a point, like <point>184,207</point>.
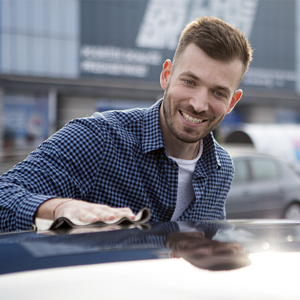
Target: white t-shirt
<point>185,191</point>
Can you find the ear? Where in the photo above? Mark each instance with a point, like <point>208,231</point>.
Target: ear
<point>165,74</point>
<point>235,99</point>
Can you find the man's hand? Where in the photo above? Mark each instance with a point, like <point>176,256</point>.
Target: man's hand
<point>81,210</point>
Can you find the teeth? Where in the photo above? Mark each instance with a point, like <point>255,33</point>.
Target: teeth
<point>190,119</point>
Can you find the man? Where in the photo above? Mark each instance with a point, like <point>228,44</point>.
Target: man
<point>165,158</point>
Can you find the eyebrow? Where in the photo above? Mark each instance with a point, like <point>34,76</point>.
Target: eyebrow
<point>223,88</point>
<point>217,87</point>
<point>189,74</point>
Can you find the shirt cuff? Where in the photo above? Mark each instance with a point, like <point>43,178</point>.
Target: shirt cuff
<point>27,210</point>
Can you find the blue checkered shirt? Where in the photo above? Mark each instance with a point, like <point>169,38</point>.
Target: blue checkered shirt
<point>117,158</point>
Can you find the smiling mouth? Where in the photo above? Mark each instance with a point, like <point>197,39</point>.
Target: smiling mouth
<point>191,119</point>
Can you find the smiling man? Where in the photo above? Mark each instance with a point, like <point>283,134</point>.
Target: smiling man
<point>165,157</point>
<point>199,92</point>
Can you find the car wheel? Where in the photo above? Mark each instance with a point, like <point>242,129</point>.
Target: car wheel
<point>292,212</point>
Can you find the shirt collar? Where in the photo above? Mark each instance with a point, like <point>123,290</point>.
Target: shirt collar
<point>209,161</point>
<point>152,136</point>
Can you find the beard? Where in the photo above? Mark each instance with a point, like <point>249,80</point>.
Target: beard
<point>187,134</point>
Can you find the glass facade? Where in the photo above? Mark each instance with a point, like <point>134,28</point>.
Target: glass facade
<point>130,39</point>
<point>39,37</point>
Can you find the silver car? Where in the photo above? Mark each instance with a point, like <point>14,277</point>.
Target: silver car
<point>263,187</point>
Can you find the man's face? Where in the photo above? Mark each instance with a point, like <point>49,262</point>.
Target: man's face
<point>199,92</point>
<point>206,253</point>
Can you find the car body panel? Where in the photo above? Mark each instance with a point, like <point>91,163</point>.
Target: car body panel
<point>139,262</point>
<point>172,279</point>
<point>263,186</point>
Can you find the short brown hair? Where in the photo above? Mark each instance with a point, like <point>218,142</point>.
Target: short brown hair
<point>217,39</point>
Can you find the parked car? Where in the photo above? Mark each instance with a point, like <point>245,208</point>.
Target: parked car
<point>170,260</point>
<point>263,187</point>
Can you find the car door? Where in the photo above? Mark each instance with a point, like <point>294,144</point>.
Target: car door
<point>238,204</point>
<point>266,197</point>
<point>255,189</point>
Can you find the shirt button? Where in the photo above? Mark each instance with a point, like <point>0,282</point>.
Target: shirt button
<point>174,167</point>
<point>171,209</point>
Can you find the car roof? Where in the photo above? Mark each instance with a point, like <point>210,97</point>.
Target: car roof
<point>245,151</point>
<point>136,262</point>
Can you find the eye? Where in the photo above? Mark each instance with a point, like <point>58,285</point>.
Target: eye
<point>220,95</point>
<point>189,82</point>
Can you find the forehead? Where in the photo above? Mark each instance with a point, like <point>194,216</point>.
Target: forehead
<point>195,61</point>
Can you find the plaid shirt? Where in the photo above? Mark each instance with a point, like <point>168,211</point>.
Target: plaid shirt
<point>116,158</point>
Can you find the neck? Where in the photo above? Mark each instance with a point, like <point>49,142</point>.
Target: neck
<point>188,152</point>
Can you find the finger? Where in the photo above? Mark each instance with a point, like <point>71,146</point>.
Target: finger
<point>87,217</point>
<point>124,213</point>
<point>107,208</point>
<point>114,213</point>
<point>125,210</point>
<point>128,213</point>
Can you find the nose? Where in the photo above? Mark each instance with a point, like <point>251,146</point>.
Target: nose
<point>200,99</point>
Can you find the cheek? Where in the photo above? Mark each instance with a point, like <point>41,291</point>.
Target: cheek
<point>219,108</point>
<point>178,91</point>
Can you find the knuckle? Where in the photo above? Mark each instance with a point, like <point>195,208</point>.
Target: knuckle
<point>126,209</point>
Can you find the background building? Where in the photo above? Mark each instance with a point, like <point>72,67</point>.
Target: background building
<point>65,59</point>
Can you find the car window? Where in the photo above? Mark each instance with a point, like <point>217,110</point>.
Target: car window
<point>264,169</point>
<point>241,172</point>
